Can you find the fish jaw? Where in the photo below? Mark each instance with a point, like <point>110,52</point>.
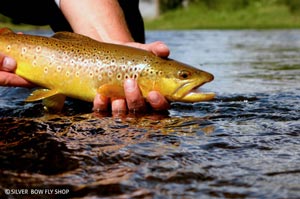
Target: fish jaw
<point>195,96</point>
<point>190,92</point>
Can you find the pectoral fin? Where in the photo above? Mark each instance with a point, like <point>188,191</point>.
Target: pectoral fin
<point>41,94</point>
<point>110,90</point>
<point>52,99</point>
<point>54,103</point>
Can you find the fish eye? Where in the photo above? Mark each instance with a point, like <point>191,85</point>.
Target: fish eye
<point>183,74</point>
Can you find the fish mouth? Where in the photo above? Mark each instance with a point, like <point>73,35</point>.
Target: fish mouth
<point>194,94</point>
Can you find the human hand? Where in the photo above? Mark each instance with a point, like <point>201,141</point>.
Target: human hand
<point>158,48</point>
<point>134,100</point>
<point>7,77</point>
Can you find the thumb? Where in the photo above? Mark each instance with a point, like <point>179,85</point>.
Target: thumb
<point>7,63</point>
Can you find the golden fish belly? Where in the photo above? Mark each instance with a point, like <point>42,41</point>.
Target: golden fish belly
<point>55,72</point>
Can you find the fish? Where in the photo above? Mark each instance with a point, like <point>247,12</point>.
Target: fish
<point>72,65</point>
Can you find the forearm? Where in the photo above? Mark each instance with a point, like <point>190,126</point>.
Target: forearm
<point>102,20</point>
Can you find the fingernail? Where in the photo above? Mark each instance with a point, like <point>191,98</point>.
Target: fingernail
<point>162,45</point>
<point>154,98</point>
<point>100,103</point>
<point>163,50</point>
<point>9,64</point>
<point>130,85</point>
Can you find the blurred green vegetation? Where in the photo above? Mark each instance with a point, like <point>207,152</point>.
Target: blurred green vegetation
<point>213,14</point>
<point>7,22</point>
<point>4,19</point>
<point>227,14</point>
<point>166,5</point>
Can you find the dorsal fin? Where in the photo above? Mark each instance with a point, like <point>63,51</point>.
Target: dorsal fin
<point>71,36</point>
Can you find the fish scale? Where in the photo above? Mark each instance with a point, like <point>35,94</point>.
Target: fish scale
<point>73,65</point>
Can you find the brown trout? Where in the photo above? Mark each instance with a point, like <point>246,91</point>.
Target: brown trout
<point>69,64</point>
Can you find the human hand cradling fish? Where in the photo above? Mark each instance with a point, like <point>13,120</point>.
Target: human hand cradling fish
<point>7,77</point>
<point>134,99</point>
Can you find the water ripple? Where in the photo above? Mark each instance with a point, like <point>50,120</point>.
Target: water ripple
<point>243,144</point>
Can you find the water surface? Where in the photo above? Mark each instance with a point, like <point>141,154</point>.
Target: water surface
<point>243,144</point>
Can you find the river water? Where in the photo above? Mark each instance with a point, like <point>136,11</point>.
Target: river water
<point>243,144</point>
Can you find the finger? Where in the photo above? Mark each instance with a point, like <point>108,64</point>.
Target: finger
<point>100,103</point>
<point>11,79</point>
<point>157,101</point>
<point>7,63</point>
<point>158,48</point>
<point>134,98</point>
<point>118,105</point>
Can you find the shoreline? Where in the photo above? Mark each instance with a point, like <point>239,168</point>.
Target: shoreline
<point>197,16</point>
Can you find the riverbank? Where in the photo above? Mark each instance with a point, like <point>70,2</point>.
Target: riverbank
<point>259,15</point>
<point>254,16</point>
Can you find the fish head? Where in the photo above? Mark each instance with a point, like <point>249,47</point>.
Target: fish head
<point>176,81</point>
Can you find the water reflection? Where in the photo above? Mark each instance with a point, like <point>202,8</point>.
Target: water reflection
<point>243,144</point>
